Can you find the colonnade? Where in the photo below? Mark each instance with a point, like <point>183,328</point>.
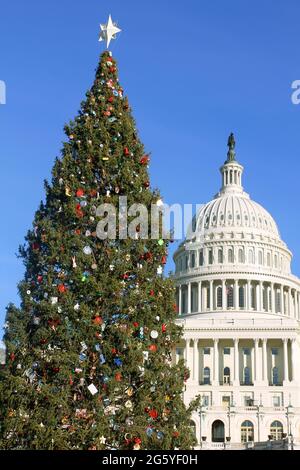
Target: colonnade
<point>259,296</point>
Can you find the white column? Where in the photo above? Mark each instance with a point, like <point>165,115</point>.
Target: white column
<point>285,360</point>
<point>256,361</point>
<point>224,295</point>
<point>196,361</point>
<point>199,296</point>
<point>189,298</point>
<point>296,304</point>
<point>179,300</point>
<point>289,301</point>
<point>236,361</point>
<point>260,297</point>
<point>273,297</point>
<point>264,360</point>
<point>248,296</point>
<point>281,300</point>
<point>257,291</point>
<point>235,293</point>
<point>216,362</point>
<point>293,358</point>
<point>211,295</point>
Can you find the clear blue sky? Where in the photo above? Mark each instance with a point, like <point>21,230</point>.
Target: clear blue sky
<point>193,70</point>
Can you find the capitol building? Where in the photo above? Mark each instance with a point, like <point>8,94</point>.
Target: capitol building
<point>239,306</point>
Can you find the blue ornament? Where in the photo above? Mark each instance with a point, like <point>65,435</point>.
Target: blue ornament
<point>102,359</point>
<point>82,357</point>
<point>149,431</point>
<point>160,435</point>
<point>97,347</point>
<point>118,361</point>
<point>112,119</point>
<point>115,92</point>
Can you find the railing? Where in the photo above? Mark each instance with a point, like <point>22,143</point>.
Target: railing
<point>213,322</point>
<point>246,383</point>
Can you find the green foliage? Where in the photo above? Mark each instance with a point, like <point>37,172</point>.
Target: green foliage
<point>88,306</point>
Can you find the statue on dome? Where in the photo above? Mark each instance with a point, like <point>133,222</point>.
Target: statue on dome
<point>231,146</point>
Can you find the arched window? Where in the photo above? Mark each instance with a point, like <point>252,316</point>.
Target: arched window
<point>276,430</point>
<point>220,255</point>
<point>247,431</point>
<point>268,259</point>
<point>230,255</point>
<point>217,431</point>
<point>251,257</point>
<point>260,258</point>
<point>241,256</point>
<point>275,261</point>
<point>210,256</point>
<point>186,262</point>
<point>241,297</point>
<point>201,258</point>
<point>193,260</point>
<point>229,297</point>
<point>275,376</point>
<point>219,297</point>
<point>247,376</point>
<point>226,375</point>
<point>277,301</point>
<point>206,376</point>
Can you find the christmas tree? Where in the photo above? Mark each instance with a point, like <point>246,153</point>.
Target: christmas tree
<point>89,350</point>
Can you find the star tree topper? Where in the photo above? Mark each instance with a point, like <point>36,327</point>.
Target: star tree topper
<point>109,31</point>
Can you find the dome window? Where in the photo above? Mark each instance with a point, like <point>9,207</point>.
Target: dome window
<point>230,255</point>
<point>241,256</point>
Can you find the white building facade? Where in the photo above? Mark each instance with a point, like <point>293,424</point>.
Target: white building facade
<point>239,306</point>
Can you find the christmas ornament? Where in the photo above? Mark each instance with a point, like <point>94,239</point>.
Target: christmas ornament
<point>154,334</point>
<point>87,250</point>
<point>92,389</point>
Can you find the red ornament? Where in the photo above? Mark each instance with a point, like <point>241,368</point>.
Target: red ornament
<point>144,160</point>
<point>111,99</point>
<point>148,256</point>
<point>35,246</point>
<point>146,184</point>
<point>163,260</point>
<point>79,192</point>
<point>55,369</point>
<point>39,278</point>
<point>77,231</point>
<point>175,308</point>
<point>61,288</point>
<point>126,151</point>
<point>97,320</point>
<point>153,414</point>
<point>118,377</point>
<point>151,292</point>
<point>163,327</point>
<point>114,351</point>
<point>12,356</point>
<point>135,324</point>
<point>137,440</point>
<point>153,348</point>
<point>175,434</point>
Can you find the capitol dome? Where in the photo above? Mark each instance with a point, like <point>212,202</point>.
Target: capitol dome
<point>239,306</point>
<point>232,208</point>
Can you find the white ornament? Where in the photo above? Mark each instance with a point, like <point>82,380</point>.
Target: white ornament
<point>159,270</point>
<point>102,440</point>
<point>154,334</point>
<point>53,300</point>
<point>92,389</point>
<point>108,31</point>
<point>87,250</point>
